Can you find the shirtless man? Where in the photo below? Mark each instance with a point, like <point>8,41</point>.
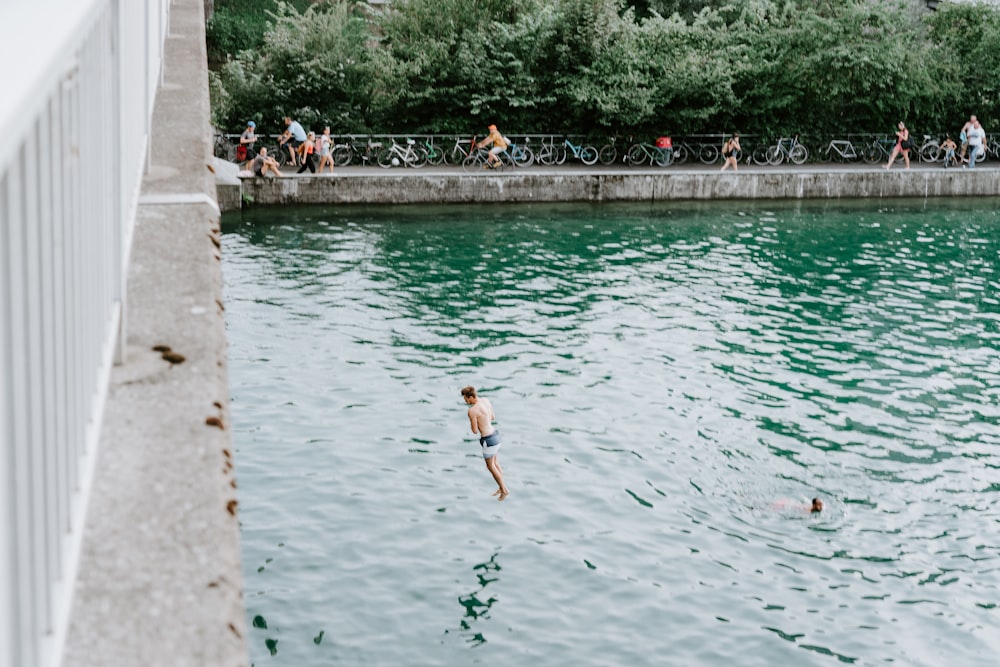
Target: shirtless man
<point>481,419</point>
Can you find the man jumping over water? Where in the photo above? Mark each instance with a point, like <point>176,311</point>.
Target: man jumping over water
<point>481,419</point>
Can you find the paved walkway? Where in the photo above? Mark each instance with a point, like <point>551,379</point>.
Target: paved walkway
<point>687,168</point>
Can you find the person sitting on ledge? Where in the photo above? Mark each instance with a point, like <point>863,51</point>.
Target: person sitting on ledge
<point>263,163</point>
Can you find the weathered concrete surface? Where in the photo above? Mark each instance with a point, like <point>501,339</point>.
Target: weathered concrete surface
<point>160,581</point>
<point>350,186</point>
<point>228,187</point>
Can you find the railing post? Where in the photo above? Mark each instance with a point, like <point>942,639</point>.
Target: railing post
<point>9,639</point>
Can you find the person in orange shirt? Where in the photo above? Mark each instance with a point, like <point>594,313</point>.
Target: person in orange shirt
<point>499,143</point>
<point>309,154</point>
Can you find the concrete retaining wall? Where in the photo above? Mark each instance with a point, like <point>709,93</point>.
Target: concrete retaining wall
<point>408,187</point>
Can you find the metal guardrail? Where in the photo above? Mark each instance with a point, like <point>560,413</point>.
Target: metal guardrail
<point>79,84</point>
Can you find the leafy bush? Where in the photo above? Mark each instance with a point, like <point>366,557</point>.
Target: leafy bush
<point>595,66</point>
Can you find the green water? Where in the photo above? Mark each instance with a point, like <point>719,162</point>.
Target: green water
<point>667,379</point>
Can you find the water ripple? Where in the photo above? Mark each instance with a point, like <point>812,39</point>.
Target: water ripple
<point>673,384</point>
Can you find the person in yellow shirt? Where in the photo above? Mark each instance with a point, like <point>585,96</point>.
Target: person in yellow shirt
<point>499,144</point>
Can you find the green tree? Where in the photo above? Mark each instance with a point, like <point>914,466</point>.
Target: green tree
<point>316,67</point>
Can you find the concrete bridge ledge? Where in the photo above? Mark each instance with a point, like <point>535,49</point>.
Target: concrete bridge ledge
<point>448,185</point>
<point>160,579</point>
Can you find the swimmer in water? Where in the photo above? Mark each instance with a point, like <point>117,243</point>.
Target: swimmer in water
<point>481,419</point>
<point>815,506</point>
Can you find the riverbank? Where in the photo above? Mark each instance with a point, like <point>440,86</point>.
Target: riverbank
<point>371,185</point>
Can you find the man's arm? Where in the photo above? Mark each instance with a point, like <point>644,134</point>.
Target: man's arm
<point>472,422</point>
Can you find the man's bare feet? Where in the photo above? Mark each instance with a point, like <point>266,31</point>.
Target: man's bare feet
<point>503,494</point>
<point>497,492</point>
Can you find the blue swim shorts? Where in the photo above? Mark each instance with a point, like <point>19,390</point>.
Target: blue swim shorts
<point>490,444</point>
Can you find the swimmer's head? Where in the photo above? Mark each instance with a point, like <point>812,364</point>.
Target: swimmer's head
<point>817,505</point>
<point>469,394</point>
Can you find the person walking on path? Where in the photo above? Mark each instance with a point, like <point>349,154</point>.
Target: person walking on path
<point>309,154</point>
<point>963,137</point>
<point>293,137</point>
<point>325,149</point>
<point>499,143</point>
<point>977,143</point>
<point>903,144</point>
<point>481,418</point>
<point>731,152</point>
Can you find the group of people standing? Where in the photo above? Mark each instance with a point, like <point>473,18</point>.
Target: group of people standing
<point>972,138</point>
<point>302,147</point>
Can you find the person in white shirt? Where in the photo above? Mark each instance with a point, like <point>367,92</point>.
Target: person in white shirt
<point>977,143</point>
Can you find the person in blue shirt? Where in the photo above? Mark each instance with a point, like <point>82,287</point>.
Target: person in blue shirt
<point>293,137</point>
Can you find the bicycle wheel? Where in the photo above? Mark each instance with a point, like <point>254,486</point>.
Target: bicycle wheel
<point>799,154</point>
<point>385,157</point>
<point>546,155</point>
<point>636,155</point>
<point>681,154</point>
<point>523,157</point>
<point>930,152</point>
<point>759,155</point>
<point>588,155</point>
<point>774,156</point>
<point>221,144</point>
<point>708,154</point>
<point>873,154</point>
<point>664,157</point>
<point>560,154</point>
<point>279,154</point>
<point>455,156</point>
<point>473,163</point>
<point>608,154</point>
<point>342,155</point>
<point>435,156</point>
<point>416,157</point>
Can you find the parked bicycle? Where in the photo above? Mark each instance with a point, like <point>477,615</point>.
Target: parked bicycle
<point>706,153</point>
<point>358,150</point>
<point>880,149</point>
<point>224,147</point>
<point>841,150</point>
<point>521,155</point>
<point>408,155</point>
<point>461,150</point>
<point>642,153</point>
<point>787,148</point>
<point>608,153</point>
<point>549,152</point>
<point>435,154</point>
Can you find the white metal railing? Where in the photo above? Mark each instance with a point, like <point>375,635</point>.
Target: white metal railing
<point>79,79</point>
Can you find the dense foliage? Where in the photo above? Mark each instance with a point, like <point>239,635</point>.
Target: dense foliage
<point>237,25</point>
<point>597,66</point>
